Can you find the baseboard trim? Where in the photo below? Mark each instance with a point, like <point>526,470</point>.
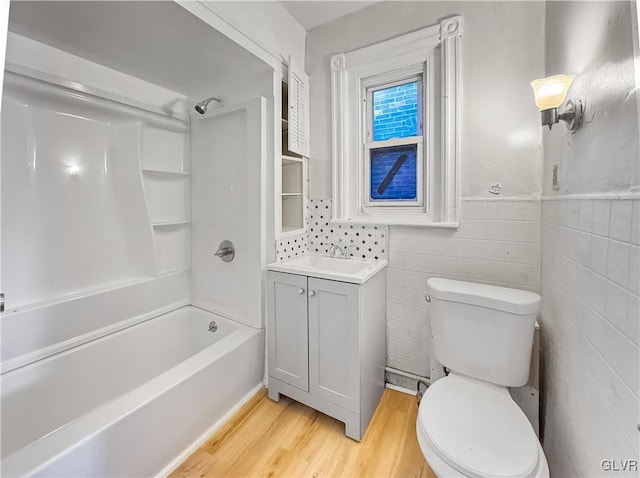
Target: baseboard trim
<point>398,388</point>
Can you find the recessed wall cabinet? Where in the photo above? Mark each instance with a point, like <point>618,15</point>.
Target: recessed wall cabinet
<point>326,345</point>
<point>295,150</point>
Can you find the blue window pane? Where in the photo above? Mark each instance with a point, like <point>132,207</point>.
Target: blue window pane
<point>395,112</point>
<point>394,173</point>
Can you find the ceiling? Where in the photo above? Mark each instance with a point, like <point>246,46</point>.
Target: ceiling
<point>310,14</point>
<point>159,42</point>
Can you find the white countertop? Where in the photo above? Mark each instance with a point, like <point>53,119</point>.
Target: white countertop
<point>355,271</point>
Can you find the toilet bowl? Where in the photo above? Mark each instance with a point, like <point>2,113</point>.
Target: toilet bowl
<point>468,425</point>
<point>469,428</point>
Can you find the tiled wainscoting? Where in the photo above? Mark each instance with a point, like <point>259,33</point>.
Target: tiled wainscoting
<point>590,333</point>
<point>498,242</point>
<point>590,316</point>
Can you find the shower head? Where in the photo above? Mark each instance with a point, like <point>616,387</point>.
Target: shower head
<point>202,106</point>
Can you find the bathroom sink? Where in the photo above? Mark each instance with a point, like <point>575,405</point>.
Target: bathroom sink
<point>356,271</point>
<point>348,266</point>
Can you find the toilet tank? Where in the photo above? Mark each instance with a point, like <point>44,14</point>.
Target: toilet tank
<point>483,331</point>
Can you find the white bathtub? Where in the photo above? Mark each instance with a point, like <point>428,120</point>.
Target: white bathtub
<point>130,403</point>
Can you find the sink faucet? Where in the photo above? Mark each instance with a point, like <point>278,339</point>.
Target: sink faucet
<point>335,251</point>
<point>340,252</point>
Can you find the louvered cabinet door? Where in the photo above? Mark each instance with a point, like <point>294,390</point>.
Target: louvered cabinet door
<point>298,134</point>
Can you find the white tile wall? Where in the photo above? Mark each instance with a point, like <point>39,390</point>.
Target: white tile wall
<point>590,333</point>
<point>498,243</point>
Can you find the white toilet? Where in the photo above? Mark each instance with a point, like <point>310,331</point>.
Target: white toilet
<point>468,425</point>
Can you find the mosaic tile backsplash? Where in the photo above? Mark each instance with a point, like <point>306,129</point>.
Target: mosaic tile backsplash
<point>291,247</point>
<point>368,241</point>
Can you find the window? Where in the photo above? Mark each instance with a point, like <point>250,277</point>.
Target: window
<point>393,142</point>
<point>388,102</point>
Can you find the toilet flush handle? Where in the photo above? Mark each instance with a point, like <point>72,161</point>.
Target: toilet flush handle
<point>427,297</point>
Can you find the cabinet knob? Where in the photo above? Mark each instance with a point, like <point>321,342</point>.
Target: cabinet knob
<point>300,291</point>
<point>311,293</point>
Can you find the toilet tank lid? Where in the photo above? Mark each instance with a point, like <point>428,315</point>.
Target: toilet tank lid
<point>515,301</point>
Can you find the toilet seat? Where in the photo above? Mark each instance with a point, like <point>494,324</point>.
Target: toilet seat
<point>477,429</point>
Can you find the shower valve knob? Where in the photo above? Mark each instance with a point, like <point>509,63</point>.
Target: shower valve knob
<point>226,251</point>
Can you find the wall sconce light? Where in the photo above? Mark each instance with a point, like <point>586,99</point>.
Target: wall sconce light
<point>73,169</point>
<point>550,93</point>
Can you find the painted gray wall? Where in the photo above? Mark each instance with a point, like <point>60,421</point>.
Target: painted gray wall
<point>594,41</point>
<point>502,53</point>
<point>590,238</point>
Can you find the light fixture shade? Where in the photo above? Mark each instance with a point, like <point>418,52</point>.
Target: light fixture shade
<point>551,92</point>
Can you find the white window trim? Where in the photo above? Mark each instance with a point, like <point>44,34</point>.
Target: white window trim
<point>348,70</point>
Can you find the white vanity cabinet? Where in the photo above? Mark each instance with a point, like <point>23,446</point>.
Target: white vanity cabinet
<point>327,346</point>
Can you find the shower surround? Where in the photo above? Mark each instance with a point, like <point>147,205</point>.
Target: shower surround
<point>110,222</point>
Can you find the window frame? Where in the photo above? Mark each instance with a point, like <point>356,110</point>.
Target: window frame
<point>435,47</point>
<point>379,82</point>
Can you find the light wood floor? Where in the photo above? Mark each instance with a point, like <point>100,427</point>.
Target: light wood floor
<point>288,439</point>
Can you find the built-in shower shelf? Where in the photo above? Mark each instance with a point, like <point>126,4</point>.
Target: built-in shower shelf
<point>181,222</point>
<point>164,171</point>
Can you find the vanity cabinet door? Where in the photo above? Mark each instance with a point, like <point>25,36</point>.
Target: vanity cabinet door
<point>287,329</point>
<point>334,372</point>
